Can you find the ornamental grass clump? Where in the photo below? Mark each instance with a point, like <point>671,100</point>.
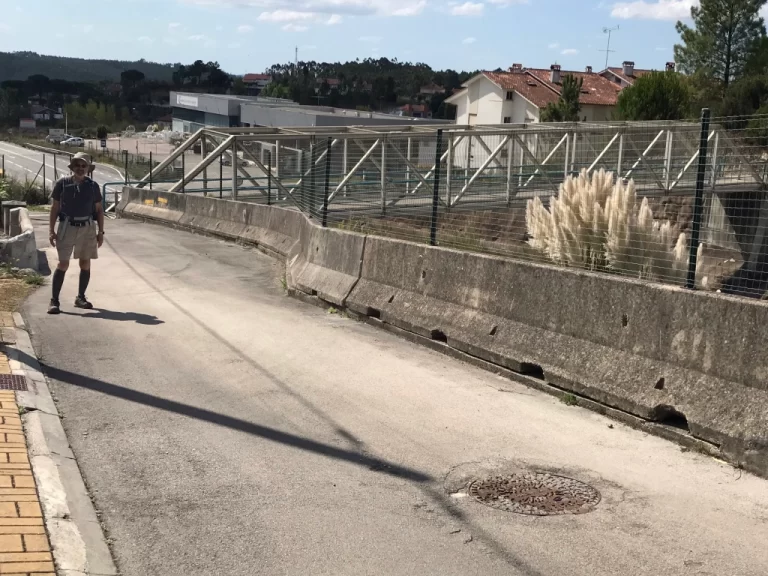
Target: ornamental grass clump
<point>598,224</point>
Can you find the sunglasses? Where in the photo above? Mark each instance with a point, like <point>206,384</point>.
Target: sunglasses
<point>81,165</point>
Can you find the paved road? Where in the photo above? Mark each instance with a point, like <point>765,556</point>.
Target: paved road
<point>25,163</point>
<point>227,429</point>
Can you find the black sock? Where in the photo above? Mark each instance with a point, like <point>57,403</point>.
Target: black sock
<point>58,282</point>
<point>85,277</point>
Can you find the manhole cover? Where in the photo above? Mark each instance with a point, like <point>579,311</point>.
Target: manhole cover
<point>536,494</point>
<point>13,382</point>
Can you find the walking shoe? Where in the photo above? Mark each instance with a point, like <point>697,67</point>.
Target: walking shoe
<point>53,307</point>
<point>81,302</point>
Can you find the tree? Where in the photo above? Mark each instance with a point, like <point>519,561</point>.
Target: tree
<point>102,132</point>
<point>725,36</point>
<point>568,106</point>
<point>131,78</point>
<point>656,96</point>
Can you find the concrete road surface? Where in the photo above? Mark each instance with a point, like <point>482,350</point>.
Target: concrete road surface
<point>227,429</point>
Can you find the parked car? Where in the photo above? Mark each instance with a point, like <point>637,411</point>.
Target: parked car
<point>79,142</point>
<point>57,139</point>
<point>227,161</point>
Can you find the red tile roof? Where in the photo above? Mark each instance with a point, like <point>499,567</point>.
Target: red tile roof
<point>527,86</point>
<point>596,90</point>
<point>636,73</point>
<point>256,77</point>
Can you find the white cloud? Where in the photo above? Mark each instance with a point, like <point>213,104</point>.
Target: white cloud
<point>244,29</point>
<point>334,19</point>
<point>196,37</point>
<point>370,39</point>
<point>554,46</point>
<point>88,28</point>
<point>468,9</point>
<point>234,45</point>
<point>659,10</point>
<point>286,16</point>
<point>145,40</point>
<point>327,7</point>
<point>173,26</point>
<point>291,27</point>
<point>505,3</point>
<point>569,52</point>
<point>470,40</point>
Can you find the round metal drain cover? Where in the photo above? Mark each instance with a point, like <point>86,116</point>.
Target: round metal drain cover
<point>536,494</point>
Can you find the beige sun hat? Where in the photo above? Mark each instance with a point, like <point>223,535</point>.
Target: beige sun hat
<point>80,156</point>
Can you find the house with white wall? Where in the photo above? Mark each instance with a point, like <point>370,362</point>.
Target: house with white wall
<point>519,95</point>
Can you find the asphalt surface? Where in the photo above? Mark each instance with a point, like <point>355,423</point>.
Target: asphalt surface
<point>227,429</point>
<point>24,163</point>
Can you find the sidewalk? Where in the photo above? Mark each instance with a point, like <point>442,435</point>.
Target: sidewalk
<point>24,546</point>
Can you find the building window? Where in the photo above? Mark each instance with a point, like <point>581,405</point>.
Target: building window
<point>507,120</point>
<point>510,95</point>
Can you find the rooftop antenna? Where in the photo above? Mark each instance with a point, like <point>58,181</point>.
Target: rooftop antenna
<point>608,47</point>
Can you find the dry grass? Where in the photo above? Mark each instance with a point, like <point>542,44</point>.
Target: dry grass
<point>13,292</point>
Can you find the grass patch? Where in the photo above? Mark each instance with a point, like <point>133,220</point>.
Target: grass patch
<point>34,280</point>
<point>13,292</point>
<point>26,190</point>
<point>569,399</point>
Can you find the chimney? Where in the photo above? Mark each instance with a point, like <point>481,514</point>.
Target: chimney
<point>554,75</point>
<point>516,68</point>
<point>589,69</point>
<point>628,68</point>
<point>670,66</point>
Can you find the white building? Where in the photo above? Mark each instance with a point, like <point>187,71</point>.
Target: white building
<point>519,95</point>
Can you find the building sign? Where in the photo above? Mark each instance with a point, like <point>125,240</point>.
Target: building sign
<point>183,100</point>
<point>58,132</point>
<point>103,143</point>
<point>27,124</point>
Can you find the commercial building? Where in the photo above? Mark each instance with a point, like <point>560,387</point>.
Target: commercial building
<point>194,111</point>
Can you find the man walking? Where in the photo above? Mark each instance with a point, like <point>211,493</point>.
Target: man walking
<point>75,200</point>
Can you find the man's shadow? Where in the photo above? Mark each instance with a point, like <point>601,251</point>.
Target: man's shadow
<point>143,319</point>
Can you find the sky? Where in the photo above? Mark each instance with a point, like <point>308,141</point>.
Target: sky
<point>250,35</point>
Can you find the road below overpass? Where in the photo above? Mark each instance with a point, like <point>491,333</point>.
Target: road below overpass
<point>227,429</point>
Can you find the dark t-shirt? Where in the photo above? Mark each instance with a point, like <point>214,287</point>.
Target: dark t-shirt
<point>77,200</point>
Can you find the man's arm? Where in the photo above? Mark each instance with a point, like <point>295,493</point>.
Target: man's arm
<point>55,209</point>
<point>100,221</point>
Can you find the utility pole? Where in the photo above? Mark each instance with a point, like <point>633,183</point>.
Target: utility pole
<point>608,47</point>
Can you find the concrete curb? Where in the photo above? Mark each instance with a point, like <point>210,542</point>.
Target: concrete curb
<point>79,545</point>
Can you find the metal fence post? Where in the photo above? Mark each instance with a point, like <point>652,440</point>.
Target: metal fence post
<point>698,207</point>
<point>126,167</point>
<point>436,189</point>
<point>221,176</point>
<point>183,172</point>
<point>3,174</point>
<point>327,181</point>
<point>312,179</point>
<point>151,168</point>
<point>269,178</point>
<point>43,174</point>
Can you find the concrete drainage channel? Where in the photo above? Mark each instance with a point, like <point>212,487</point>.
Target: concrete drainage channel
<point>654,357</point>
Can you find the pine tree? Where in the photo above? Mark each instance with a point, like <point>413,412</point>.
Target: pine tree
<point>725,35</point>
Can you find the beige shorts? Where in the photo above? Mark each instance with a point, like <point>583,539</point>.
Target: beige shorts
<point>80,239</point>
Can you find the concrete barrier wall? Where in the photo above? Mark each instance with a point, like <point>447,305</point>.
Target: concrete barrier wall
<point>655,351</point>
<point>327,263</point>
<point>650,350</point>
<point>20,250</point>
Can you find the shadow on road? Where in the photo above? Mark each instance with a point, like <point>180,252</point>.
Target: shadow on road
<point>424,481</point>
<point>144,319</point>
<point>42,263</point>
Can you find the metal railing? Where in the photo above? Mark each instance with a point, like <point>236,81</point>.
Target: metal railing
<point>674,202</point>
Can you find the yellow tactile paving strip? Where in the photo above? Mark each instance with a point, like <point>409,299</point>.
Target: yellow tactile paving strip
<point>24,546</point>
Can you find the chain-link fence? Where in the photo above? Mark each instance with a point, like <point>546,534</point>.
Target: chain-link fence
<point>682,203</point>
